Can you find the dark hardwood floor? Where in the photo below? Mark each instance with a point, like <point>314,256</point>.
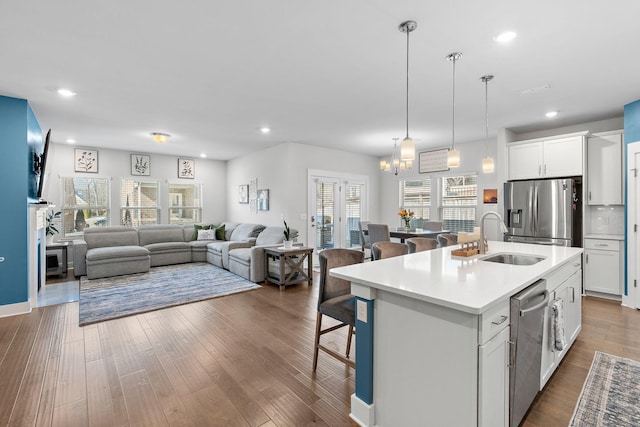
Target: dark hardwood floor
<point>240,360</point>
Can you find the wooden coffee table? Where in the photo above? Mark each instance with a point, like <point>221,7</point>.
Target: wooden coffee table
<point>288,259</point>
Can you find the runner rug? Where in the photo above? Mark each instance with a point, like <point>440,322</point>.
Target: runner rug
<point>611,393</point>
<point>167,286</point>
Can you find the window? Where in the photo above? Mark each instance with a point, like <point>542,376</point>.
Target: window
<point>185,203</point>
<point>139,203</point>
<point>353,208</point>
<point>415,194</point>
<point>459,202</point>
<point>85,204</point>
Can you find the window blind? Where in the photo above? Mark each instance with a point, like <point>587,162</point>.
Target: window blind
<point>459,202</point>
<point>85,204</point>
<point>415,195</point>
<point>139,202</point>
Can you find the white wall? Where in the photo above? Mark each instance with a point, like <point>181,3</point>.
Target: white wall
<point>115,165</point>
<point>471,155</point>
<point>283,170</point>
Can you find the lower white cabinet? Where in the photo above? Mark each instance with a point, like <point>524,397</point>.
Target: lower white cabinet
<point>603,266</point>
<point>569,291</point>
<point>493,397</point>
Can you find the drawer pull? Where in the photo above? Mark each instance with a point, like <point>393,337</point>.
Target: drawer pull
<point>501,321</point>
<point>602,245</point>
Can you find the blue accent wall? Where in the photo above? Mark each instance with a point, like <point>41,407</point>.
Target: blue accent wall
<point>20,136</point>
<point>632,122</point>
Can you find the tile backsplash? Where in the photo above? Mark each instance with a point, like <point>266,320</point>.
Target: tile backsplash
<point>607,219</point>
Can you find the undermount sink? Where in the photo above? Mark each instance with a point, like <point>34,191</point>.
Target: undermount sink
<point>513,259</point>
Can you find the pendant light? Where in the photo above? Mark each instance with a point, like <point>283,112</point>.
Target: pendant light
<point>488,165</point>
<point>453,156</point>
<point>407,146</point>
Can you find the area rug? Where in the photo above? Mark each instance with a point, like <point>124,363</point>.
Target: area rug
<point>113,297</point>
<point>611,393</point>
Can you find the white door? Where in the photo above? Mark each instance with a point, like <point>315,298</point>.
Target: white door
<point>337,203</point>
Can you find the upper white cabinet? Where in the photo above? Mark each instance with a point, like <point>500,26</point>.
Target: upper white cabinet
<point>604,169</point>
<point>549,158</point>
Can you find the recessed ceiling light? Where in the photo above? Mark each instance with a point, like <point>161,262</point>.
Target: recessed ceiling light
<point>67,93</point>
<point>265,130</point>
<point>71,141</point>
<point>551,114</point>
<point>203,155</point>
<point>505,37</point>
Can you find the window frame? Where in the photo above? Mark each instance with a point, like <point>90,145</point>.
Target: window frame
<point>196,208</point>
<point>460,224</point>
<point>66,208</point>
<point>417,208</point>
<point>137,208</point>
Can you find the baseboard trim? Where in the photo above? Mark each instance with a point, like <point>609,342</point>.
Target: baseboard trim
<point>15,309</point>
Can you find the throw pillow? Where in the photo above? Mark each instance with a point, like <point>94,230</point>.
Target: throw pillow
<point>207,234</point>
<point>197,227</point>
<point>220,232</point>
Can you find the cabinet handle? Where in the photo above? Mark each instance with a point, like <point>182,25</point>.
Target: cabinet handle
<point>577,264</point>
<point>500,321</point>
<point>586,258</point>
<point>512,352</point>
<point>602,245</point>
<point>589,195</point>
<point>539,170</point>
<point>573,294</point>
<point>545,169</point>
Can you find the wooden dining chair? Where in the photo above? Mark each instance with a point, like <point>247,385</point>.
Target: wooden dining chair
<point>335,300</point>
<point>420,244</point>
<point>382,250</point>
<point>447,240</point>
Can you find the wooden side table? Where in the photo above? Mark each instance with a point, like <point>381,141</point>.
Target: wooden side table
<point>290,266</point>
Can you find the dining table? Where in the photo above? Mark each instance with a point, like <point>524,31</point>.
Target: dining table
<point>404,234</point>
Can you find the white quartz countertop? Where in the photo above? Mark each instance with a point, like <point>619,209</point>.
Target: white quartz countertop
<point>466,284</point>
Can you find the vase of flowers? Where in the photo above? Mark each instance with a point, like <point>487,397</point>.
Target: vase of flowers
<point>406,215</point>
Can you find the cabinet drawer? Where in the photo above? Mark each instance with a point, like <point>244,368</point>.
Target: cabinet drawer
<point>556,278</point>
<point>493,321</point>
<point>603,245</point>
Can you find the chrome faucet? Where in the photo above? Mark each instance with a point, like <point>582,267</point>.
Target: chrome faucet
<point>482,244</point>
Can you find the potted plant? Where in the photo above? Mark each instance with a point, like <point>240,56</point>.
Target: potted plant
<point>51,228</point>
<point>288,243</point>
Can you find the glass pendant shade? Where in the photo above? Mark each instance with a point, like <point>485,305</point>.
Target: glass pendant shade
<point>407,149</point>
<point>453,158</point>
<point>488,165</point>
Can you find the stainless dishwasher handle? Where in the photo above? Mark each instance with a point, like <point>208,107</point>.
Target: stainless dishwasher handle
<point>537,306</point>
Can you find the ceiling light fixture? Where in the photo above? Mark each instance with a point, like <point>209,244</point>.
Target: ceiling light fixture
<point>453,156</point>
<point>505,37</point>
<point>203,155</point>
<point>551,114</point>
<point>66,92</point>
<point>408,146</point>
<point>396,164</point>
<point>488,165</point>
<point>71,141</point>
<point>265,130</point>
<point>160,137</point>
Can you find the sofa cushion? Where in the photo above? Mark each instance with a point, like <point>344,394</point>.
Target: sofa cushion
<point>206,235</point>
<point>220,232</point>
<point>159,233</point>
<point>168,247</point>
<point>115,252</point>
<point>198,227</point>
<point>228,229</point>
<point>273,236</point>
<point>246,231</point>
<point>98,237</point>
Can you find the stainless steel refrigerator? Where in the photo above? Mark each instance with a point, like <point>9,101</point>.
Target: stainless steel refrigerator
<point>544,211</point>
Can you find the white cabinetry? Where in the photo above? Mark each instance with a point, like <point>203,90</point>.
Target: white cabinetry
<point>564,284</point>
<point>604,169</point>
<point>603,266</point>
<point>548,158</point>
<point>493,398</point>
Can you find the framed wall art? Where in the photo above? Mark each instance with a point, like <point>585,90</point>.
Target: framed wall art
<point>263,200</point>
<point>140,165</point>
<point>243,194</point>
<point>186,168</point>
<point>433,161</point>
<point>85,160</point>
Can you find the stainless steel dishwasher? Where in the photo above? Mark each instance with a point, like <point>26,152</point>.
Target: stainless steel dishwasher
<point>527,320</point>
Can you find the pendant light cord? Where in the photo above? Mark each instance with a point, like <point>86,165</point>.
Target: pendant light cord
<point>486,117</point>
<point>407,106</point>
<point>453,114</point>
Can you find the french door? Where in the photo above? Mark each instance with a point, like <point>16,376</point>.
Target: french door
<point>336,204</point>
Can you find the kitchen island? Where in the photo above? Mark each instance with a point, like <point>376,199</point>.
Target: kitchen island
<point>432,332</point>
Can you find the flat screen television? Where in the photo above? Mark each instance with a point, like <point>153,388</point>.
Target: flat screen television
<point>41,167</point>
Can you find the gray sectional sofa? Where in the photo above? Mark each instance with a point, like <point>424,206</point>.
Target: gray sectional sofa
<point>118,250</point>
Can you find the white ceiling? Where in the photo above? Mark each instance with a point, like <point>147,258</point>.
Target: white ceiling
<point>328,73</point>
